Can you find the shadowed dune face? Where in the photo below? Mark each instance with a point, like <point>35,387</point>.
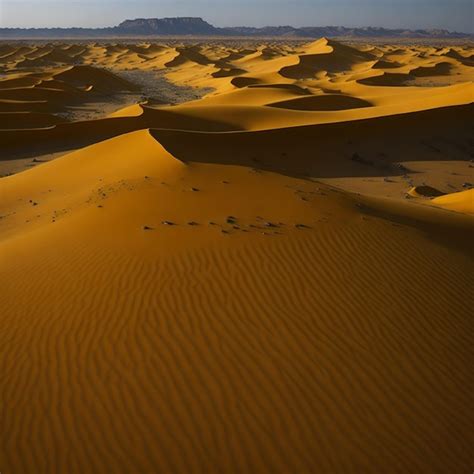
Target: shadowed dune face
<point>328,57</point>
<point>275,277</point>
<point>323,102</point>
<point>439,69</point>
<point>386,79</point>
<point>245,81</point>
<point>425,191</point>
<point>381,64</point>
<point>86,76</point>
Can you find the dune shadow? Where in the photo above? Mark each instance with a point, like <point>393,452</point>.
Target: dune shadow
<point>360,148</point>
<point>241,82</point>
<point>322,102</point>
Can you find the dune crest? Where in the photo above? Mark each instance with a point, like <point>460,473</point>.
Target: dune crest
<point>462,201</point>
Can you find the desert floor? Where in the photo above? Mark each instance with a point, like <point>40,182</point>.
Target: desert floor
<point>236,257</point>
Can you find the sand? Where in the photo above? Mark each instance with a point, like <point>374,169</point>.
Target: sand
<point>274,277</point>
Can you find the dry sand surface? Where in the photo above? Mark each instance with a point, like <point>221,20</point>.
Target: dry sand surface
<point>274,276</point>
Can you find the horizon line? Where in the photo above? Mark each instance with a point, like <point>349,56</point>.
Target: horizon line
<point>235,27</point>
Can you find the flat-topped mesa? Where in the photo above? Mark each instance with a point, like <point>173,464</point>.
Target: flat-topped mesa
<point>167,26</point>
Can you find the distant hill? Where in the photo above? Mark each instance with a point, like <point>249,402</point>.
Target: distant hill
<point>167,26</point>
<point>190,26</point>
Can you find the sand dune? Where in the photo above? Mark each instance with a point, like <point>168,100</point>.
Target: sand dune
<point>325,55</point>
<point>85,76</point>
<point>276,277</point>
<point>439,69</point>
<point>459,202</point>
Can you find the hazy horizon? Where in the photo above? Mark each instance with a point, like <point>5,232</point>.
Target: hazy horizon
<point>455,15</point>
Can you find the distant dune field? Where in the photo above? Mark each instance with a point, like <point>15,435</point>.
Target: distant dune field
<point>274,277</point>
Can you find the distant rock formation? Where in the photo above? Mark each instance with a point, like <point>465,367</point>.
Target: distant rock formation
<point>190,26</point>
<point>167,26</point>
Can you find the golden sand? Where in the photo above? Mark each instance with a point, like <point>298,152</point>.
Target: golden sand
<point>274,278</point>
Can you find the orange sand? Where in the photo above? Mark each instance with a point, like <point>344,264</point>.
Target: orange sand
<point>262,280</point>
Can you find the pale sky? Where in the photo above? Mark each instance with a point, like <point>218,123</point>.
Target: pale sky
<point>449,14</point>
